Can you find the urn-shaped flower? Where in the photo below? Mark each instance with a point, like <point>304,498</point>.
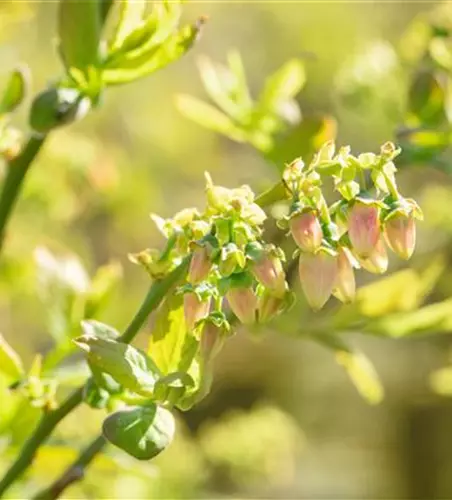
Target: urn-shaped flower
<point>200,265</point>
<point>306,231</point>
<point>243,303</point>
<point>377,261</point>
<point>318,274</point>
<point>195,309</point>
<point>400,232</point>
<point>363,227</point>
<point>268,270</point>
<point>345,286</point>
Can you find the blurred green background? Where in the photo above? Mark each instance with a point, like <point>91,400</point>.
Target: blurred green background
<point>282,419</point>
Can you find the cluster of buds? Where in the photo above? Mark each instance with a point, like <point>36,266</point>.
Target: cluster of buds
<point>352,232</point>
<point>232,268</point>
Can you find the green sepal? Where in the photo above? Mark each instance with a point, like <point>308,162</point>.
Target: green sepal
<point>231,259</point>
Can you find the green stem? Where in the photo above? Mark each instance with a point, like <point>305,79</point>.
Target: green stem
<point>51,419</point>
<point>17,170</point>
<point>391,186</point>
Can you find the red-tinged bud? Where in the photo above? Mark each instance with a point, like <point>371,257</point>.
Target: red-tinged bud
<point>306,231</point>
<point>194,309</point>
<point>269,271</point>
<point>318,274</point>
<point>243,303</point>
<point>345,286</point>
<point>200,266</point>
<point>212,341</point>
<point>269,306</point>
<point>377,261</point>
<point>400,233</point>
<point>363,228</point>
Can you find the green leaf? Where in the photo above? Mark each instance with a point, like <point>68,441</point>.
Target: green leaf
<point>273,195</point>
<point>363,375</point>
<point>131,13</point>
<point>105,7</point>
<point>142,432</point>
<point>105,381</point>
<point>303,140</point>
<point>428,140</point>
<point>127,365</point>
<point>147,35</point>
<point>131,66</point>
<point>217,83</point>
<point>171,346</point>
<point>357,365</point>
<point>429,320</point>
<point>79,27</point>
<point>240,90</point>
<point>15,90</point>
<point>10,362</point>
<point>283,85</point>
<point>209,117</point>
<point>95,396</point>
<point>93,328</point>
<point>427,99</point>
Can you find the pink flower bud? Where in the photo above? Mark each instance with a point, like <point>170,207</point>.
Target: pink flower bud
<point>400,234</point>
<point>377,261</point>
<point>269,272</point>
<point>194,309</point>
<point>243,303</point>
<point>345,286</point>
<point>306,231</point>
<point>363,228</point>
<point>318,274</point>
<point>212,341</point>
<point>200,266</point>
<point>269,306</point>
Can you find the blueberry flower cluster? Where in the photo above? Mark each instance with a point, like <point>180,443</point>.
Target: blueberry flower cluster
<point>233,268</point>
<point>354,231</point>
